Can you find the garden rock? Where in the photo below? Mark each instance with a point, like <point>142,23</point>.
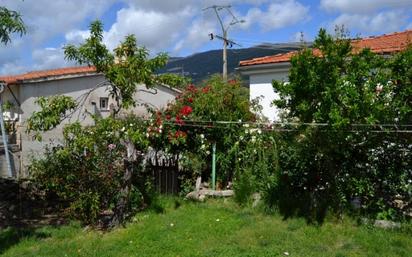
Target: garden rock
<point>201,195</point>
<point>386,224</point>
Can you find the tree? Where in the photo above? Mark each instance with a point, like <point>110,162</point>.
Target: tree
<point>124,68</point>
<point>127,67</point>
<point>10,22</point>
<point>348,153</point>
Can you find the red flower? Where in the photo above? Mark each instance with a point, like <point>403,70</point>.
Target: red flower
<point>186,110</point>
<point>190,100</point>
<point>191,88</point>
<point>206,89</point>
<point>180,134</point>
<point>179,121</point>
<point>168,117</point>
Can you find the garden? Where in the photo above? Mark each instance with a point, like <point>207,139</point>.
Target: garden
<point>339,159</point>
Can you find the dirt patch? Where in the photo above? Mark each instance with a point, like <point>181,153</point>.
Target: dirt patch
<point>22,205</point>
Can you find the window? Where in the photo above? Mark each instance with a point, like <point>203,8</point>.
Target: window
<point>104,103</point>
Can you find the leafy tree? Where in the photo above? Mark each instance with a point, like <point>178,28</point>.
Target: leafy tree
<point>347,155</point>
<point>10,22</point>
<point>127,67</point>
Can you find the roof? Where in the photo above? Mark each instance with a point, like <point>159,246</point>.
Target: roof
<point>384,44</point>
<point>45,74</point>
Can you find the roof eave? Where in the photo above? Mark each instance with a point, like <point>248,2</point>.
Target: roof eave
<point>263,68</point>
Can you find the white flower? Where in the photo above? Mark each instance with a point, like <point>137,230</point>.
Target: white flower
<point>207,152</point>
<point>286,253</point>
<point>259,131</point>
<point>171,224</point>
<point>217,220</point>
<point>202,136</point>
<point>147,135</point>
<point>253,139</point>
<point>379,88</point>
<point>123,129</point>
<point>246,125</point>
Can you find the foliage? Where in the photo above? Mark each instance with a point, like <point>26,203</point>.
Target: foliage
<point>53,110</point>
<point>190,126</point>
<point>348,155</point>
<point>87,169</point>
<point>127,67</point>
<point>173,80</point>
<point>10,22</point>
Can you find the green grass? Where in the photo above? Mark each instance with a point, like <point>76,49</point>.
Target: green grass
<point>215,228</point>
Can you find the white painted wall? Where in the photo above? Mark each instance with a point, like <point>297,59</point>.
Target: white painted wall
<point>78,88</point>
<point>261,86</point>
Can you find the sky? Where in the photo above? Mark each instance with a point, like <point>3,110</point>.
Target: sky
<point>182,27</point>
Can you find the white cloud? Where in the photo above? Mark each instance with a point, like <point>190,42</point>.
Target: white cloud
<point>46,19</point>
<point>278,15</point>
<point>76,36</point>
<point>12,68</point>
<point>362,6</point>
<point>49,58</point>
<point>382,22</point>
<point>153,29</point>
<point>196,35</point>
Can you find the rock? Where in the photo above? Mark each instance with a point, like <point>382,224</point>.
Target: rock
<point>205,185</point>
<point>256,199</point>
<point>203,193</point>
<point>194,195</point>
<point>386,224</point>
<point>198,183</point>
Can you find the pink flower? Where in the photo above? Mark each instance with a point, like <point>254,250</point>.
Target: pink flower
<point>111,147</point>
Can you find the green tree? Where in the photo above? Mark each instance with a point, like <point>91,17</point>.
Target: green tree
<point>127,67</point>
<point>124,68</point>
<point>10,22</point>
<point>348,94</point>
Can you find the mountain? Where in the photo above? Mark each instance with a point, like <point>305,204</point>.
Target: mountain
<point>200,66</point>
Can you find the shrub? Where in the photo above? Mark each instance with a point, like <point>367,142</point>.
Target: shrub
<point>87,170</point>
<point>347,155</point>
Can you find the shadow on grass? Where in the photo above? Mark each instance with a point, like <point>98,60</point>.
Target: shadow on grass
<point>12,236</point>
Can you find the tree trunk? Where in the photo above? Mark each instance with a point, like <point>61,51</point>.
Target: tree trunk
<point>122,206</point>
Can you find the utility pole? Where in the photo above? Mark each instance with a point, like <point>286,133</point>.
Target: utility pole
<point>225,29</point>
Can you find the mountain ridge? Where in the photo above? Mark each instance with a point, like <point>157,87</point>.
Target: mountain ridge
<point>200,66</point>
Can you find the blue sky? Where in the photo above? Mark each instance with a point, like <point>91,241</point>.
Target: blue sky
<point>181,27</point>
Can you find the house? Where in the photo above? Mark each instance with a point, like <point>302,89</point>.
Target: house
<point>84,84</point>
<point>262,71</point>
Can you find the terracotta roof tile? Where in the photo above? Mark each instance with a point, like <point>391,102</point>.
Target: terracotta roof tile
<point>47,73</point>
<point>384,44</point>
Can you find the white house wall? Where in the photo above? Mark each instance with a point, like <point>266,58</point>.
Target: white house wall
<point>261,86</point>
<point>77,88</point>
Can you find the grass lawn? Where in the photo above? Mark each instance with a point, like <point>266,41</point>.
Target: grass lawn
<point>215,228</point>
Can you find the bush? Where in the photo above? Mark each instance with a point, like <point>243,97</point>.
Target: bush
<point>87,170</point>
<point>346,154</point>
